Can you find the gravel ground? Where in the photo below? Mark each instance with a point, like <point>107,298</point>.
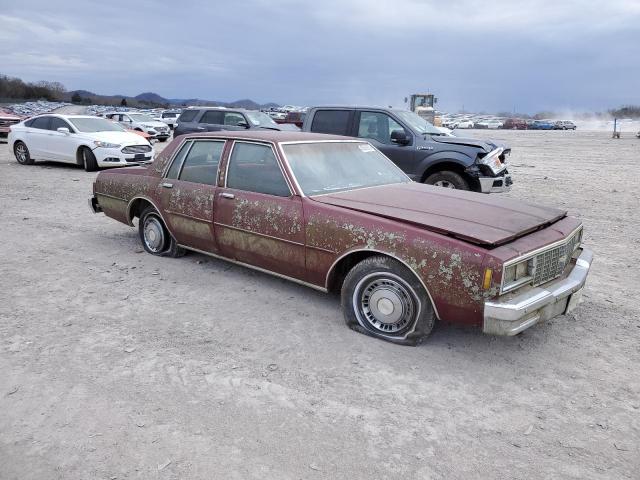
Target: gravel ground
<point>120,365</point>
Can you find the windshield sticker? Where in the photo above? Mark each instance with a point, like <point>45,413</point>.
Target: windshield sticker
<point>365,147</point>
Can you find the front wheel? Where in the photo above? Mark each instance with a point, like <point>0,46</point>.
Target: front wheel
<point>22,154</point>
<point>155,237</point>
<point>447,179</point>
<point>384,299</point>
<point>89,160</point>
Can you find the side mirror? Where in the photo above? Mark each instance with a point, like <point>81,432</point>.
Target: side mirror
<point>243,124</point>
<point>64,130</point>
<point>400,137</point>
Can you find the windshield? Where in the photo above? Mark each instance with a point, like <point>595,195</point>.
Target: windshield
<point>260,119</point>
<point>416,122</point>
<point>327,167</point>
<point>89,125</point>
<point>140,117</point>
<point>169,115</point>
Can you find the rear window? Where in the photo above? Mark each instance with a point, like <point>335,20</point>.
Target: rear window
<point>331,121</point>
<point>188,115</point>
<point>213,117</point>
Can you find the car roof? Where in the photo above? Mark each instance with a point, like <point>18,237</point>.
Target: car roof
<point>218,108</point>
<point>273,136</point>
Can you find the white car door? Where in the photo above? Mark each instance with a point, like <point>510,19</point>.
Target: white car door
<point>36,137</point>
<point>61,145</point>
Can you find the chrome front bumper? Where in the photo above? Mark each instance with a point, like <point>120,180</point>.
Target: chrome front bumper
<point>513,313</point>
<point>495,184</point>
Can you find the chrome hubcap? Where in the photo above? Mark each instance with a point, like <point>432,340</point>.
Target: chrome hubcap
<point>153,234</point>
<point>445,184</point>
<point>384,303</point>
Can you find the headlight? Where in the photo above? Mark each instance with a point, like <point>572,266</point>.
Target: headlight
<point>515,275</point>
<point>492,160</point>
<point>98,143</point>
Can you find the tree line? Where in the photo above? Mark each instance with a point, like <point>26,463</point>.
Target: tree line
<point>14,88</point>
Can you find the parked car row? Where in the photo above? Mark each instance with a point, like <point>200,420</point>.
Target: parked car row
<point>29,109</point>
<point>508,124</point>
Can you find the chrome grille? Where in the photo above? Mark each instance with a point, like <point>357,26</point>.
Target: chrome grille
<point>550,264</point>
<point>136,149</point>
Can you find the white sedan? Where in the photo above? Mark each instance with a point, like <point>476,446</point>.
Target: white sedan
<point>87,141</point>
<point>463,124</point>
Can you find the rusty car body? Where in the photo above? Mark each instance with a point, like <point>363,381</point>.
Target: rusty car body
<point>402,254</point>
<point>6,120</point>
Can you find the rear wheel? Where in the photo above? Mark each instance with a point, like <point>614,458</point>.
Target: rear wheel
<point>89,160</point>
<point>384,299</point>
<point>22,154</point>
<point>155,237</point>
<point>447,179</point>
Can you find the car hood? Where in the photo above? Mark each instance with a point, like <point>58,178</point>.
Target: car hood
<point>154,123</point>
<point>485,145</point>
<point>487,220</point>
<point>122,138</point>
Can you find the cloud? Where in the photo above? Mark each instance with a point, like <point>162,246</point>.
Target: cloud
<point>485,55</point>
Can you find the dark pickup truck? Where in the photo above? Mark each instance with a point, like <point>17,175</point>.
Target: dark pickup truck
<point>421,150</point>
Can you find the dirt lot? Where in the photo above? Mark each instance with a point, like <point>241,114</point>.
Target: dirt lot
<point>119,365</point>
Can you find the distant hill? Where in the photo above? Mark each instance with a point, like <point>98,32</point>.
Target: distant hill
<point>151,99</point>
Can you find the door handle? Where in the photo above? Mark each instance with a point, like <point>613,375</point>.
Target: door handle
<point>200,128</point>
<point>167,185</point>
<point>227,195</point>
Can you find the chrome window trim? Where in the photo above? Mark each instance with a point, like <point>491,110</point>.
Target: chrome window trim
<point>533,253</point>
<point>278,162</point>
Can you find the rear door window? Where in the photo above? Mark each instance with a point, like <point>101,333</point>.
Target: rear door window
<point>41,123</point>
<point>335,122</point>
<point>201,163</point>
<point>188,115</point>
<point>212,117</point>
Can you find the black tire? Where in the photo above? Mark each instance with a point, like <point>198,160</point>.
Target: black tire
<point>88,160</point>
<point>162,139</point>
<point>155,237</point>
<point>398,291</point>
<point>447,179</point>
<point>22,154</point>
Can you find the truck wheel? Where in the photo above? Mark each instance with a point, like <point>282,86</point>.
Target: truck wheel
<point>447,179</point>
<point>384,299</point>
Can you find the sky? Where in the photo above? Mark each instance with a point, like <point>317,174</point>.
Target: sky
<point>490,55</point>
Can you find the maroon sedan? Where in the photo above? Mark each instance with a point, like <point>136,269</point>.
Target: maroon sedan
<point>335,214</point>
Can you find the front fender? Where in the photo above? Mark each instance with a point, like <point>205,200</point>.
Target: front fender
<point>445,157</point>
